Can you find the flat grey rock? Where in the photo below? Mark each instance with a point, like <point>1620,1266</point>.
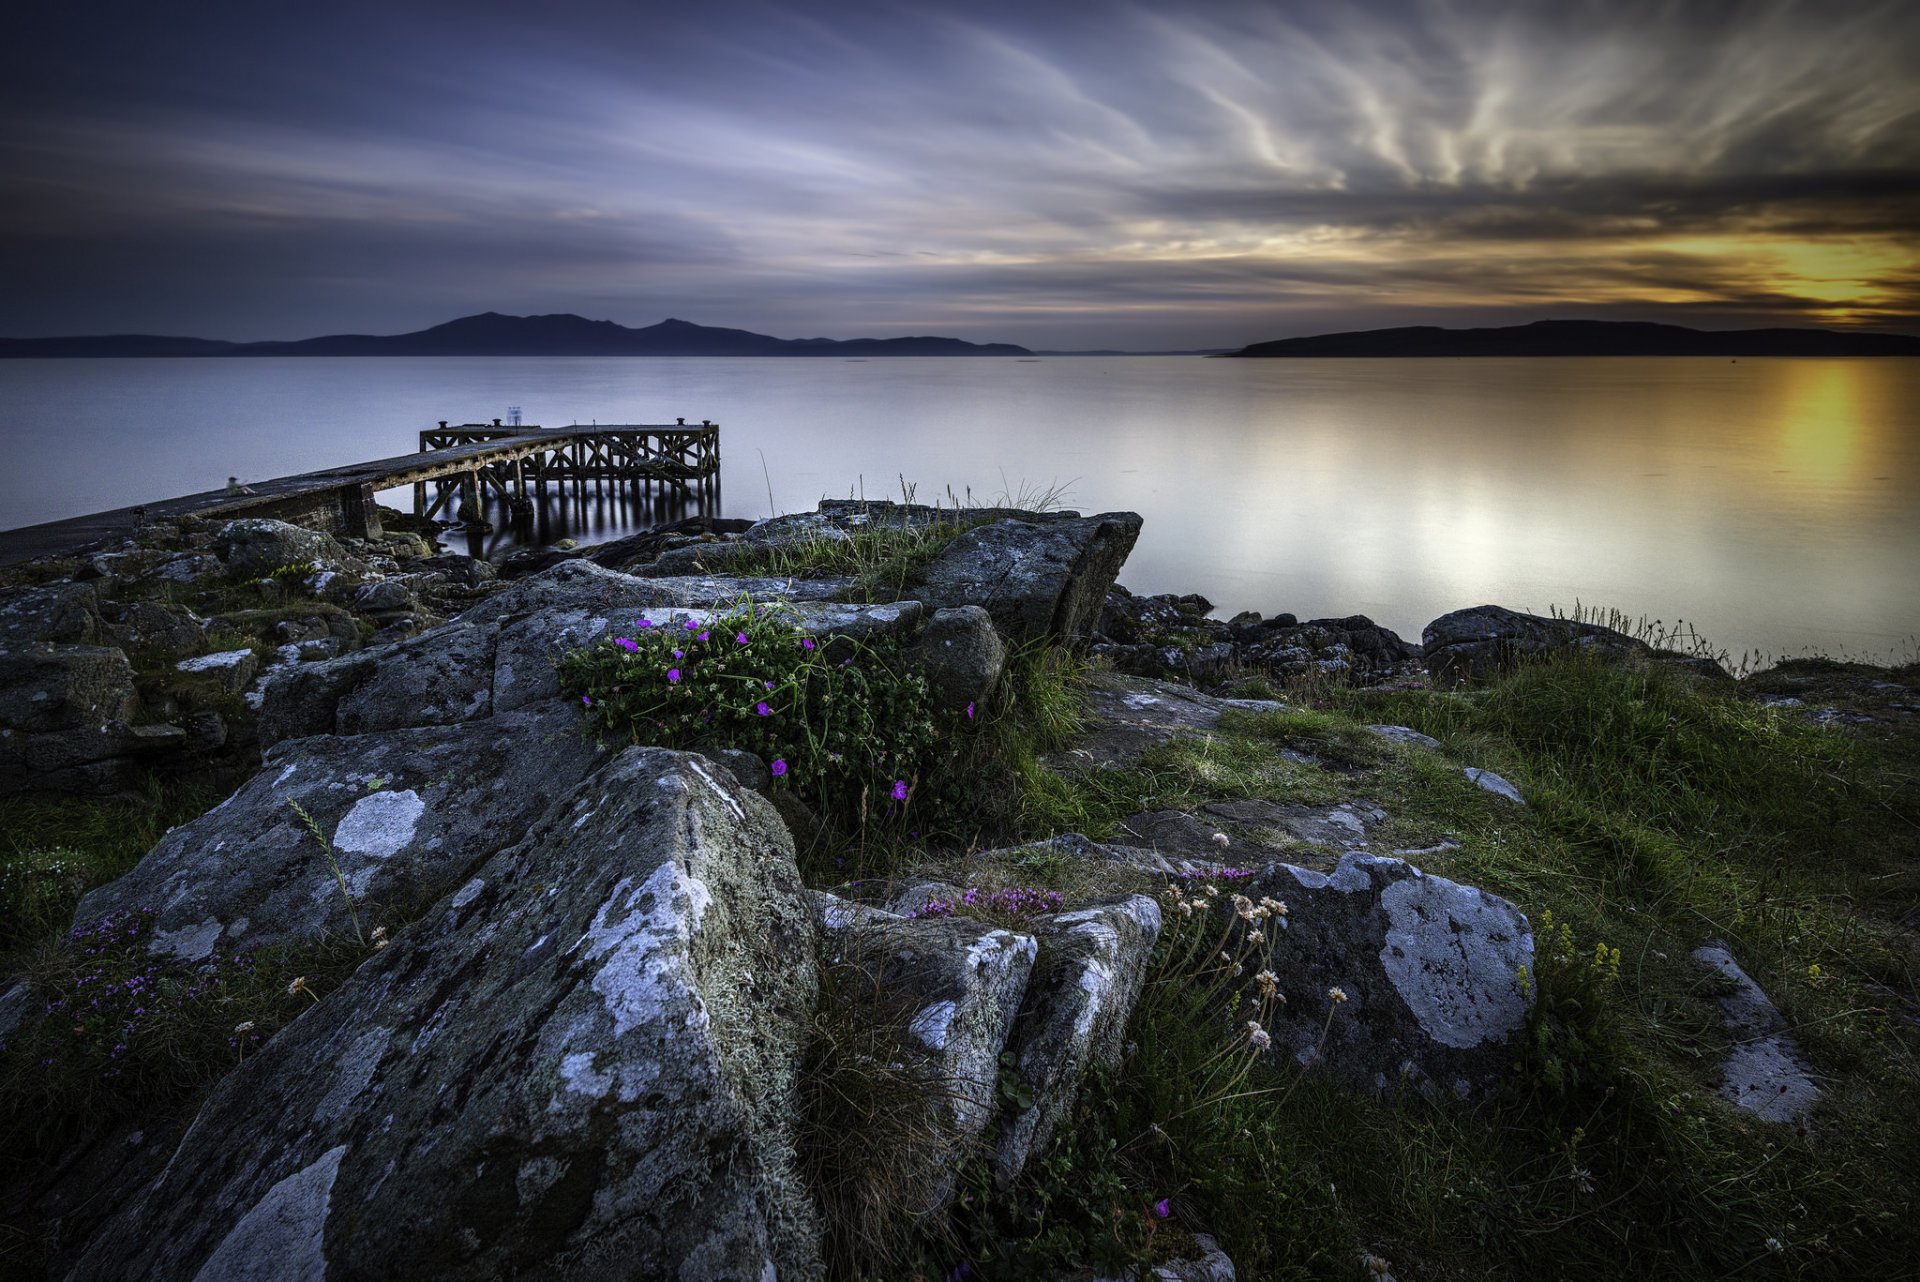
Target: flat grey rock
<point>1488,781</point>
<point>1766,1072</point>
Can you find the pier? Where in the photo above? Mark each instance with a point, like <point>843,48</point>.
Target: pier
<point>456,468</point>
<point>519,464</point>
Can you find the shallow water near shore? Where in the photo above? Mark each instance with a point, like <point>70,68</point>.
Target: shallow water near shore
<point>1773,504</point>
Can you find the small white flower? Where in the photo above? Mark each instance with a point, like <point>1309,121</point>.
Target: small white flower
<point>244,1027</point>
<point>1221,840</point>
<point>1336,995</point>
<point>1256,938</point>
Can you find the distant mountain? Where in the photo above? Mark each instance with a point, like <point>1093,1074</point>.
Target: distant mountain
<point>1183,351</point>
<point>491,334</point>
<point>1589,338</point>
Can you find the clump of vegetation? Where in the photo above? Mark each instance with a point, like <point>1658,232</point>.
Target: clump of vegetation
<point>849,728</point>
<point>876,1124</point>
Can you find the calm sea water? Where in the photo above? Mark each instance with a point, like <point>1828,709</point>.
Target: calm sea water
<point>1774,504</point>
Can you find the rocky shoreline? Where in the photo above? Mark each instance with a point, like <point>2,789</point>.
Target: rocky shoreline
<point>574,1046</point>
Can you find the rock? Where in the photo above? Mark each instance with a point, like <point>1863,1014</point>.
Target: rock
<point>233,670</point>
<point>188,567</point>
<point>386,597</point>
<point>1037,579</point>
<point>1211,1265</point>
<point>1091,965</point>
<point>440,677</point>
<point>1429,969</point>
<point>167,631</point>
<point>1493,783</point>
<point>68,613</point>
<point>1766,1072</point>
<point>63,687</point>
<point>460,571</point>
<point>1125,716</point>
<point>405,813</point>
<point>961,655</point>
<point>1472,645</point>
<point>1407,735</point>
<point>966,980</point>
<point>580,1065</point>
<point>256,547</point>
<point>300,699</point>
<point>1271,830</point>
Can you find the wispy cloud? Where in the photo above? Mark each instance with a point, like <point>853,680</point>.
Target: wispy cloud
<point>1133,174</point>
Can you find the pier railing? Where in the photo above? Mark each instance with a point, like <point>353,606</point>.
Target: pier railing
<point>519,464</point>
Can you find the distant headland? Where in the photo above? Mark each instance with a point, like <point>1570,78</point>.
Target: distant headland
<point>492,334</point>
<point>1589,338</point>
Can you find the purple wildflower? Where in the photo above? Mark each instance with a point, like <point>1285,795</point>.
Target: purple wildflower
<point>627,643</point>
<point>679,654</point>
<point>969,710</point>
<point>779,767</point>
<point>763,709</point>
<point>643,623</point>
<point>673,676</point>
<point>741,637</point>
<point>806,643</point>
<point>704,635</point>
<point>586,700</point>
<point>692,624</point>
<point>1161,1208</point>
<point>899,789</point>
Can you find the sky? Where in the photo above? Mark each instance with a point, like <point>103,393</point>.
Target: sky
<point>1068,175</point>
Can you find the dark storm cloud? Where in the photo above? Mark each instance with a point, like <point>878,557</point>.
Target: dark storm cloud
<point>1075,176</point>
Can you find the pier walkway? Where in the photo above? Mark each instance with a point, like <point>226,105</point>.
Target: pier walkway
<point>460,463</point>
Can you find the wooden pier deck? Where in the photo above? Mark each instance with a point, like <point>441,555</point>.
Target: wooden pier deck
<point>460,463</point>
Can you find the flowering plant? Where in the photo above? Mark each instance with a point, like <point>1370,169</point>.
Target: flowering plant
<point>847,726</point>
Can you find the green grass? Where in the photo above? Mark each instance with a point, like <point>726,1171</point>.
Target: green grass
<point>1664,810</point>
<point>885,561</point>
<point>55,849</point>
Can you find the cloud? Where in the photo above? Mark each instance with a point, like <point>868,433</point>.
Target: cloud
<point>1182,175</point>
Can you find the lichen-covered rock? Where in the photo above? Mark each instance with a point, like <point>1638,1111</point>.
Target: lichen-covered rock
<point>300,699</point>
<point>441,677</point>
<point>961,656</point>
<point>154,628</point>
<point>1428,971</point>
<point>579,1065</point>
<point>256,547</point>
<point>1036,578</point>
<point>63,687</point>
<point>62,612</point>
<point>404,813</point>
<point>1477,643</point>
<point>966,980</point>
<point>1084,984</point>
<point>232,670</point>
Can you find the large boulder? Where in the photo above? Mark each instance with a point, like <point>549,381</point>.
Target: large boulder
<point>1036,578</point>
<point>579,1065</point>
<point>256,547</point>
<point>1427,974</point>
<point>404,814</point>
<point>154,628</point>
<point>61,612</point>
<point>63,687</point>
<point>1474,644</point>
